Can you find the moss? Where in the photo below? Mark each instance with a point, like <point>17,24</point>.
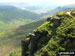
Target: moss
<point>43,27</point>
<point>59,40</point>
<point>67,28</point>
<point>56,39</point>
<point>73,12</point>
<point>26,39</point>
<point>61,13</point>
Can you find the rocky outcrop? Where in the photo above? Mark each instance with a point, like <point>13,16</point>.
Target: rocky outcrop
<point>49,18</point>
<point>55,35</point>
<point>73,13</point>
<point>56,21</point>
<point>70,43</point>
<point>33,42</point>
<point>25,48</point>
<point>30,46</point>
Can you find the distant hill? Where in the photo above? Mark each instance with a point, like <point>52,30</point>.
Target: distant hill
<point>15,23</point>
<point>70,6</point>
<point>11,16</point>
<point>14,37</point>
<point>9,13</point>
<point>22,30</point>
<point>58,9</point>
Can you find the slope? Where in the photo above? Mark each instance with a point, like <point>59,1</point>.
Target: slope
<point>11,17</point>
<point>12,38</point>
<point>56,35</point>
<point>9,13</point>
<point>58,9</point>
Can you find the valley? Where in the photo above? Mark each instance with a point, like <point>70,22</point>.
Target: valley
<point>11,18</point>
<point>17,23</point>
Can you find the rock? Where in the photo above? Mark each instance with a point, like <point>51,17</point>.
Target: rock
<point>49,18</point>
<point>34,30</point>
<point>37,33</point>
<point>25,49</point>
<point>33,43</point>
<point>27,36</point>
<point>56,21</point>
<point>30,45</point>
<point>73,13</point>
<point>58,15</point>
<point>70,43</point>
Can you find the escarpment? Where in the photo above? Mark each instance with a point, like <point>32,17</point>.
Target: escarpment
<point>55,35</point>
<point>30,46</point>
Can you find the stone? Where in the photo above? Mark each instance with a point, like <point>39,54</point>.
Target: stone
<point>56,22</point>
<point>25,48</point>
<point>49,18</point>
<point>33,44</point>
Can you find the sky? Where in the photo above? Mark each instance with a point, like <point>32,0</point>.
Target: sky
<point>38,2</point>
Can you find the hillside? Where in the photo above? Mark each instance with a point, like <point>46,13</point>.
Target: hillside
<point>57,34</point>
<point>12,38</point>
<point>11,17</point>
<point>70,6</point>
<point>22,30</point>
<point>58,9</point>
<point>15,13</point>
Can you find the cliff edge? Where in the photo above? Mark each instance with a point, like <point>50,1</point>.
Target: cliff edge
<point>55,35</point>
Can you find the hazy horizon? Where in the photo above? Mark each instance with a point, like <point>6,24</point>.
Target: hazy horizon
<point>41,2</point>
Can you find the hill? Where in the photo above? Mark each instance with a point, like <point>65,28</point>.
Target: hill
<point>70,6</point>
<point>58,9</point>
<point>56,35</point>
<point>11,39</point>
<point>9,13</point>
<point>11,17</point>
